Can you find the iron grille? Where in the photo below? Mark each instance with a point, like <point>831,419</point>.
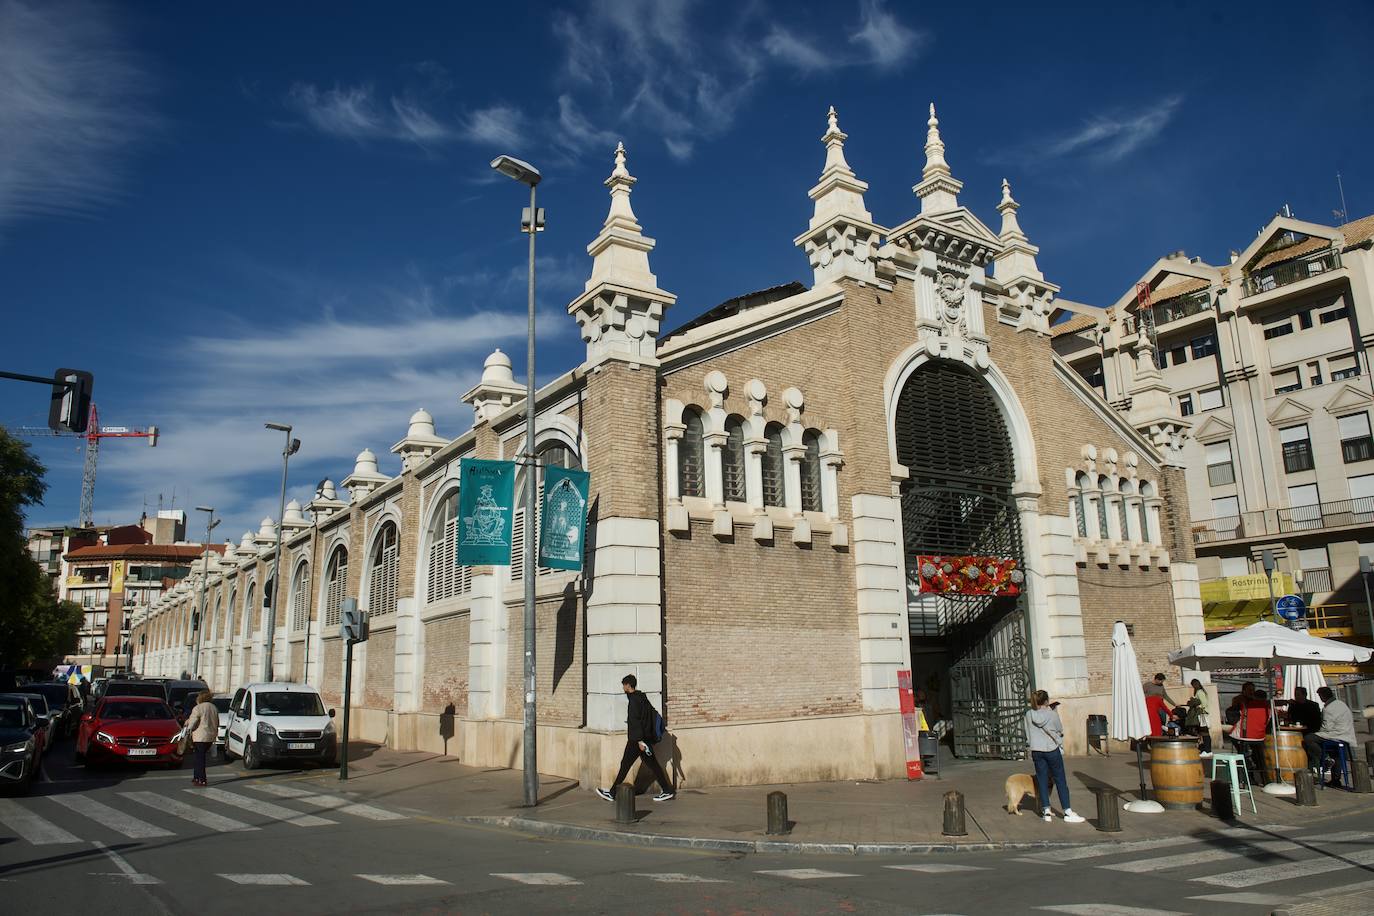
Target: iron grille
<point>811,473</point>
<point>691,481</point>
<point>734,461</point>
<point>773,487</point>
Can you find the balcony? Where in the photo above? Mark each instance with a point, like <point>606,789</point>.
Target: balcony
<point>1339,514</point>
<point>1174,310</point>
<point>1291,272</point>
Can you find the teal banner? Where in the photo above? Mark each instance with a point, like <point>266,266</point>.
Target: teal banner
<point>486,509</point>
<point>563,527</point>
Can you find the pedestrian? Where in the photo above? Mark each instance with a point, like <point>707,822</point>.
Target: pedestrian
<point>1338,724</point>
<point>1045,736</point>
<point>1198,723</point>
<point>203,727</point>
<point>1247,735</point>
<point>640,735</point>
<point>1156,689</point>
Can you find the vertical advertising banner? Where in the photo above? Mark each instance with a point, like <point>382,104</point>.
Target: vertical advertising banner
<point>911,725</point>
<point>117,577</point>
<point>486,511</point>
<point>563,526</point>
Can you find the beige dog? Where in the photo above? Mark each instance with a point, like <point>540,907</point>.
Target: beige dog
<point>1019,785</point>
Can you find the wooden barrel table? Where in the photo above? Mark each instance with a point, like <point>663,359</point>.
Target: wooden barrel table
<point>1176,772</point>
<point>1289,758</point>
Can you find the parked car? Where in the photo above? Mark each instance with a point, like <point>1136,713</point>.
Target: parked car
<point>127,688</point>
<point>20,743</point>
<point>270,722</point>
<point>46,720</point>
<point>64,701</point>
<point>181,696</point>
<point>222,701</point>
<point>96,691</point>
<point>137,729</point>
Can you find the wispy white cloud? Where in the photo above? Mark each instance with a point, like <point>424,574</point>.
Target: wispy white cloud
<point>884,40</point>
<point>73,104</point>
<point>356,113</point>
<point>575,131</point>
<point>499,125</point>
<point>1113,137</point>
<point>788,47</point>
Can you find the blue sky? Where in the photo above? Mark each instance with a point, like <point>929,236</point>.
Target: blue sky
<point>250,212</point>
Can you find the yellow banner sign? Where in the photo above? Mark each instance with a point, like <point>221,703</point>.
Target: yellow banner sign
<point>117,577</point>
<point>1245,588</point>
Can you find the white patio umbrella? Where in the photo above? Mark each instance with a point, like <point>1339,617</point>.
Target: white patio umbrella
<point>1308,676</point>
<point>1269,646</point>
<point>1130,717</point>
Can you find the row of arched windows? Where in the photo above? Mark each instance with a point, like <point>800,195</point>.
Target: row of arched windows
<point>1120,511</point>
<point>692,458</point>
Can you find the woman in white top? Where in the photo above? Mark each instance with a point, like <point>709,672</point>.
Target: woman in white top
<point>1045,736</point>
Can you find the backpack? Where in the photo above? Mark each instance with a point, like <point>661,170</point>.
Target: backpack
<point>659,726</point>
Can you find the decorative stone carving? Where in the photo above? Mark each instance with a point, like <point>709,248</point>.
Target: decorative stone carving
<point>842,239</point>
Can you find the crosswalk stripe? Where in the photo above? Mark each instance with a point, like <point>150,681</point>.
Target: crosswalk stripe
<point>109,817</point>
<point>1107,909</point>
<point>805,874</point>
<point>125,869</point>
<point>1244,898</point>
<point>1290,870</point>
<point>936,868</point>
<point>271,880</point>
<point>329,802</point>
<point>1111,849</point>
<point>537,877</point>
<point>671,877</point>
<point>402,880</point>
<point>29,826</point>
<point>1200,857</point>
<point>264,808</point>
<point>210,819</point>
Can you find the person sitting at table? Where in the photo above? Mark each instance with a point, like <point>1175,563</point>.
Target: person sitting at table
<point>1338,724</point>
<point>1302,712</point>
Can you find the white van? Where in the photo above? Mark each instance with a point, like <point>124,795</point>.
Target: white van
<point>280,722</point>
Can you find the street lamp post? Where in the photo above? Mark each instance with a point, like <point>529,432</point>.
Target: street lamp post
<point>210,523</point>
<point>292,446</point>
<point>1267,560</point>
<point>1365,569</point>
<point>531,221</point>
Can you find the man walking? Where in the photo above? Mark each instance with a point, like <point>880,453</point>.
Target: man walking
<point>1338,724</point>
<point>639,738</point>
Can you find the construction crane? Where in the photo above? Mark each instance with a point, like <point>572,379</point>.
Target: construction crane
<point>93,434</point>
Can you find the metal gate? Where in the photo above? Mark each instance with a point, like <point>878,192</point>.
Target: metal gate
<point>958,500</point>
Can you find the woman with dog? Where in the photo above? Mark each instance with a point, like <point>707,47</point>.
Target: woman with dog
<point>1045,735</point>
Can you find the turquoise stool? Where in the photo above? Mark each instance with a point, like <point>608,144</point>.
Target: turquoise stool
<point>1336,752</point>
<point>1236,772</point>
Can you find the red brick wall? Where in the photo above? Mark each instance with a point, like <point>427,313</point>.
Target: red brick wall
<point>446,665</point>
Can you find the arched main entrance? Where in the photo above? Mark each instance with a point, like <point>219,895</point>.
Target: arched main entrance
<point>957,500</point>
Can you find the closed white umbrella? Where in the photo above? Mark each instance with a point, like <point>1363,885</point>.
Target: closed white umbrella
<point>1130,717</point>
<point>1307,676</point>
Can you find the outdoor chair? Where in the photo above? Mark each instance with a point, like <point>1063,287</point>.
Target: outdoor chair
<point>1236,774</point>
<point>1339,752</point>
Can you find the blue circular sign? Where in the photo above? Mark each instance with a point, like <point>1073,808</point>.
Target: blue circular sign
<point>1290,607</point>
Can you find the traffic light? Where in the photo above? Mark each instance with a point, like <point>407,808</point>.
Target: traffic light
<point>70,409</point>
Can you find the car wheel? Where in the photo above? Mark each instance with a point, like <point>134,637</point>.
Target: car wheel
<point>250,756</point>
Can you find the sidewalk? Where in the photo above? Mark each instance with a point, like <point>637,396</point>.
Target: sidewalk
<point>838,817</point>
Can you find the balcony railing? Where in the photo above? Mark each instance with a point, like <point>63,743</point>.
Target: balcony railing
<point>1292,271</point>
<point>1175,309</point>
<point>1339,514</point>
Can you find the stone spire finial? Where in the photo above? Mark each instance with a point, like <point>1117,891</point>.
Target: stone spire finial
<point>497,389</point>
<point>834,146</point>
<point>939,189</point>
<point>620,182</point>
<point>1008,207</point>
<point>935,148</point>
<point>841,238</point>
<point>1030,295</point>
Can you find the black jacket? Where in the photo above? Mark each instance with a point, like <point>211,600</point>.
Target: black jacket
<point>639,718</point>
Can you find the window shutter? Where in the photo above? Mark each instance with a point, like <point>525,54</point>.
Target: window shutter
<point>1354,426</point>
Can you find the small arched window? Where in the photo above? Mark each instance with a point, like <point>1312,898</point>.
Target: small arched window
<point>444,578</point>
<point>774,486</point>
<point>300,592</point>
<point>249,608</point>
<point>690,459</point>
<point>385,565</point>
<point>229,613</point>
<point>1122,513</point>
<point>214,618</point>
<point>732,458</point>
<point>1103,530</point>
<point>811,472</point>
<point>1147,491</point>
<point>336,579</point>
<point>1080,504</point>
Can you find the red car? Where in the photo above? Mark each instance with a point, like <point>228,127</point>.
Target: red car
<point>136,729</point>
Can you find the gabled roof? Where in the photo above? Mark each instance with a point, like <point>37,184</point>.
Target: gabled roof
<point>731,307</point>
<point>1079,322</point>
<point>1174,290</point>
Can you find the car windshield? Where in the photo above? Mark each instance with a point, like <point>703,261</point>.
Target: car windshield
<point>149,689</point>
<point>56,694</point>
<point>38,702</point>
<point>114,709</point>
<point>11,717</point>
<point>176,694</point>
<point>289,704</point>
<point>222,703</point>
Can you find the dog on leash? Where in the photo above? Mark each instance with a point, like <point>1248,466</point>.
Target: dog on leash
<point>1019,785</point>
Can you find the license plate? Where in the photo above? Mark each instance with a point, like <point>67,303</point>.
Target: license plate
<point>300,746</point>
<point>142,752</point>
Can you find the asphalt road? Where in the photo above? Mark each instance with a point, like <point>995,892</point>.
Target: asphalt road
<point>126,841</point>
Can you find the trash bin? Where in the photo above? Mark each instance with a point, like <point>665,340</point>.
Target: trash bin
<point>928,745</point>
<point>1097,728</point>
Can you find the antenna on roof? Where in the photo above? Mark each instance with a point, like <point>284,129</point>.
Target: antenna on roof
<point>1342,214</point>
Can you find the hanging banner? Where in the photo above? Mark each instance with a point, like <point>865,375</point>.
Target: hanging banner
<point>969,575</point>
<point>117,577</point>
<point>911,725</point>
<point>486,508</point>
<point>563,526</point>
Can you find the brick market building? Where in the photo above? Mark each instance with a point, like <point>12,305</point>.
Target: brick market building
<point>763,482</point>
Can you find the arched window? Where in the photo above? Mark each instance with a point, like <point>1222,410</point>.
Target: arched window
<point>444,579</point>
<point>385,566</point>
<point>249,608</point>
<point>214,618</point>
<point>300,596</point>
<point>1147,491</point>
<point>774,487</point>
<point>1080,504</point>
<point>1122,515</point>
<point>811,472</point>
<point>552,455</point>
<point>690,459</point>
<point>229,613</point>
<point>336,580</point>
<point>732,459</point>
<point>1103,530</point>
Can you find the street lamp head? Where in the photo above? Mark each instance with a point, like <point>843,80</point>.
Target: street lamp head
<point>518,169</point>
<point>294,447</point>
<point>278,427</point>
<point>205,508</point>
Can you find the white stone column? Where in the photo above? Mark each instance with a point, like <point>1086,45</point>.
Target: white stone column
<point>1133,520</point>
<point>830,485</point>
<point>672,437</point>
<point>487,648</point>
<point>753,471</point>
<point>713,447</point>
<point>1092,498</point>
<point>792,457</point>
<point>1187,603</point>
<point>1059,650</point>
<point>1152,513</point>
<point>406,663</point>
<point>881,598</point>
<point>624,619</point>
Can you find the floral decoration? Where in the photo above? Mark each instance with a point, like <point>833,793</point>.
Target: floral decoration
<point>969,575</point>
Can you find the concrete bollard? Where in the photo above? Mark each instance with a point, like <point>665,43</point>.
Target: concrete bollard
<point>777,814</point>
<point>1306,788</point>
<point>1359,779</point>
<point>1223,805</point>
<point>954,815</point>
<point>1108,811</point>
<point>1369,754</point>
<point>624,804</point>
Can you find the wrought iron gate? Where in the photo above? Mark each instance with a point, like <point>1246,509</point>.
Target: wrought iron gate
<point>957,500</point>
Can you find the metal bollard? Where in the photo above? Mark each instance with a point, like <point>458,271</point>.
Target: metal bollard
<point>777,814</point>
<point>1223,805</point>
<point>1369,754</point>
<point>1108,811</point>
<point>954,815</point>
<point>624,804</point>
<point>1359,779</point>
<point>1306,788</point>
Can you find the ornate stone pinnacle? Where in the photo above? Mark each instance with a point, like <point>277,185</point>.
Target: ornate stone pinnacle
<point>834,119</point>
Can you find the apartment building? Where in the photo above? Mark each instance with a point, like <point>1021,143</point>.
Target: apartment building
<point>1266,361</point>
